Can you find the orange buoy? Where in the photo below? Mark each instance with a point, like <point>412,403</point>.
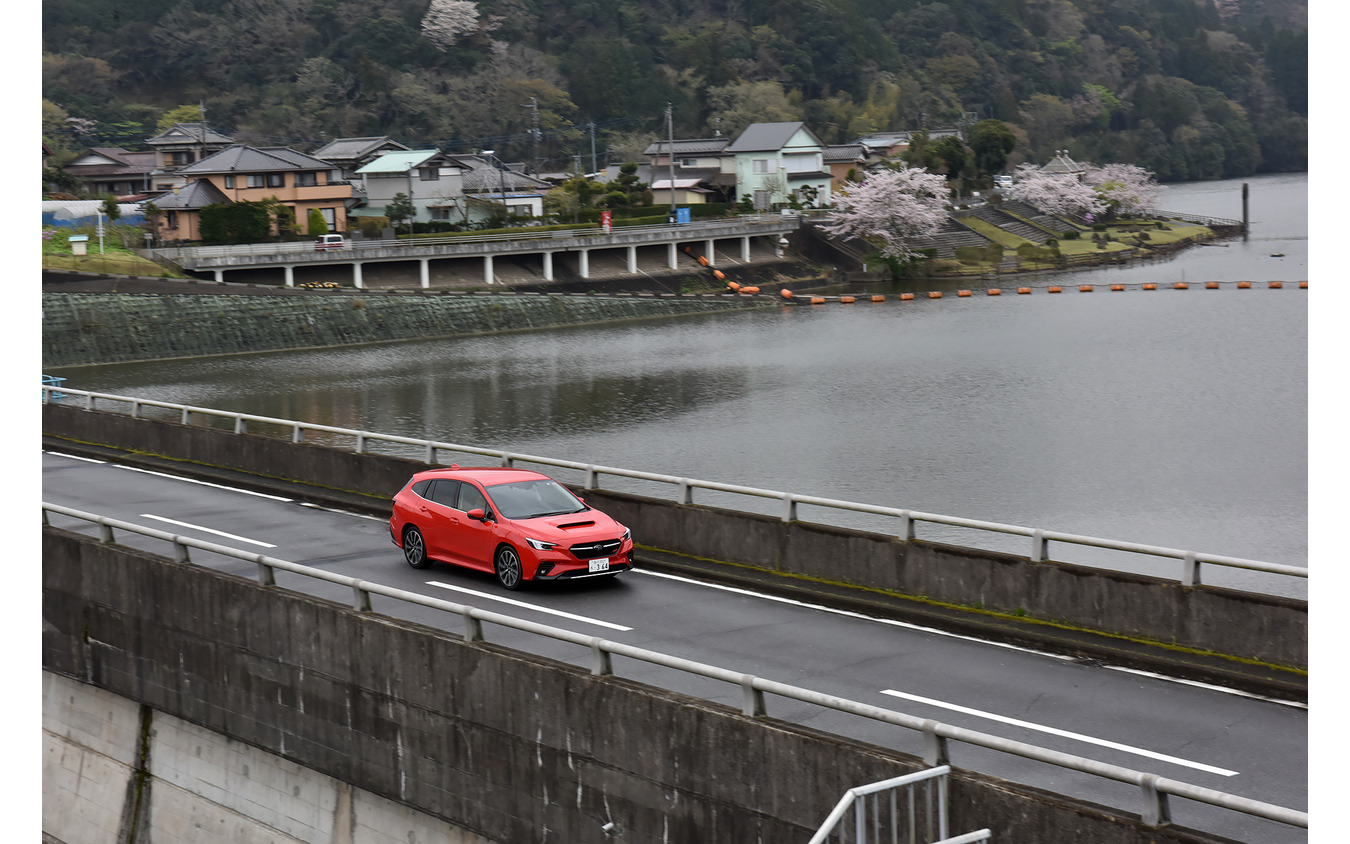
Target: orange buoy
<point>1181,285</point>
<point>702,261</point>
<point>935,294</point>
<point>1052,289</point>
<point>719,275</point>
<point>1023,290</point>
<point>817,300</point>
<point>878,298</point>
<point>731,285</point>
<point>905,297</point>
<point>1084,288</point>
<point>1150,286</point>
<point>1211,285</point>
<point>1275,285</point>
<point>1117,287</point>
<point>963,293</point>
<point>1244,285</point>
<point>994,291</point>
<point>785,293</point>
<point>846,300</point>
<point>1303,285</point>
<point>749,290</point>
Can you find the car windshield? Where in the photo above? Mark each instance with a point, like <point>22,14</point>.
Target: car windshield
<point>532,499</point>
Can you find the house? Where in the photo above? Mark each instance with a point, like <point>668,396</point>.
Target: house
<point>846,162</point>
<point>701,168</point>
<point>490,185</point>
<point>347,155</point>
<point>180,145</point>
<point>432,181</point>
<point>775,162</point>
<point>251,174</point>
<point>113,170</point>
<point>1063,165</point>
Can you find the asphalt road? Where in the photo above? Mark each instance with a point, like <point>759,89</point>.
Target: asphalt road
<point>1211,737</point>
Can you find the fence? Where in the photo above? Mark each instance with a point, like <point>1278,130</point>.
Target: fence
<point>1189,573</point>
<point>878,815</point>
<point>1154,790</point>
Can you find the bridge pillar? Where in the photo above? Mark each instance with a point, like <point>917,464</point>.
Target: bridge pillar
<point>584,263</point>
<point>487,269</point>
<point>220,275</point>
<point>290,275</point>
<point>632,260</point>
<point>671,252</point>
<point>357,281</point>
<point>548,266</point>
<point>745,249</point>
<point>425,271</point>
<point>710,252</point>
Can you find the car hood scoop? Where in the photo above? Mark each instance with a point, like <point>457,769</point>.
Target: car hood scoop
<point>569,525</point>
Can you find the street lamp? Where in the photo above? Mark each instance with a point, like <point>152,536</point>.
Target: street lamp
<point>502,173</point>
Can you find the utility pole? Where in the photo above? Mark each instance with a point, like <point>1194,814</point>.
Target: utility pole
<point>533,105</point>
<point>670,152</point>
<point>590,127</point>
<point>201,129</point>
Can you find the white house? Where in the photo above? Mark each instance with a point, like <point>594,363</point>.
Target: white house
<point>432,180</point>
<point>775,161</point>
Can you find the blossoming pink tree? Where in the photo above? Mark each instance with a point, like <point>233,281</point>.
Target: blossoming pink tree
<point>890,208</point>
<point>1054,193</point>
<point>447,21</point>
<point>1125,188</point>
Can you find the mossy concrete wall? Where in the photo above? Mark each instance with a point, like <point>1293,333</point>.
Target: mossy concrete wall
<point>88,328</point>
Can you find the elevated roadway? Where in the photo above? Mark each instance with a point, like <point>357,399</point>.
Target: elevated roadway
<point>676,244</point>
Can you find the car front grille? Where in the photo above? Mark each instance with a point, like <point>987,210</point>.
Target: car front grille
<point>591,550</point>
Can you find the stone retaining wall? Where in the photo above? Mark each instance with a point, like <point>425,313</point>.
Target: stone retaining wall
<point>88,328</point>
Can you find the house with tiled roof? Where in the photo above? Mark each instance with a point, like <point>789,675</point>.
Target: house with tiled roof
<point>180,145</point>
<point>846,162</point>
<point>490,186</point>
<point>347,155</point>
<point>113,170</point>
<point>1063,165</point>
<point>701,169</point>
<point>776,162</point>
<point>242,173</point>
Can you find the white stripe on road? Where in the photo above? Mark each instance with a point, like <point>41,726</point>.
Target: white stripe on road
<point>1199,766</point>
<point>200,483</point>
<point>515,603</point>
<point>191,526</point>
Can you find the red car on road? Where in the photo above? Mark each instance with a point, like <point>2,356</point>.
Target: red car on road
<point>520,525</point>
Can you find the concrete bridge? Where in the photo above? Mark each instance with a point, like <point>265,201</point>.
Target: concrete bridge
<point>545,251</point>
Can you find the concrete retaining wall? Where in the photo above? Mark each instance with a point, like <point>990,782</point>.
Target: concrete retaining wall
<point>84,328</point>
<point>498,743</point>
<point>1249,626</point>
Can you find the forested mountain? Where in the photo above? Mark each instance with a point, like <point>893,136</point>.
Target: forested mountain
<point>1191,89</point>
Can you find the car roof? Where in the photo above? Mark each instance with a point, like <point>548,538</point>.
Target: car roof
<point>485,475</point>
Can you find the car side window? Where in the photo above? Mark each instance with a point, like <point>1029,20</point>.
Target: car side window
<point>445,492</point>
<point>472,498</point>
<point>421,488</point>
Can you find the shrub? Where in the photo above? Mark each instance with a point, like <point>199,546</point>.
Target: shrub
<point>1073,234</point>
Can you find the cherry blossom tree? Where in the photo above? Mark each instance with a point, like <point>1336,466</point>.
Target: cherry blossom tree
<point>1125,188</point>
<point>1054,193</point>
<point>447,21</point>
<point>890,208</point>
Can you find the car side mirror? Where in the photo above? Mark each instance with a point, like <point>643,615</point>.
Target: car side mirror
<point>477,514</point>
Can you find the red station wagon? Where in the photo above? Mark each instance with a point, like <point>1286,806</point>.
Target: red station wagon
<point>519,524</point>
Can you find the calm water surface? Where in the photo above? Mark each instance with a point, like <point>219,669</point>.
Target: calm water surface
<point>1173,418</point>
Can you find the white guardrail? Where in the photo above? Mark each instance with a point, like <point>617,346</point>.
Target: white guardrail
<point>1191,561</point>
<point>1154,790</point>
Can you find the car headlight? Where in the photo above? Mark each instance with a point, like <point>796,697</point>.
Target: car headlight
<point>627,535</point>
<point>541,545</point>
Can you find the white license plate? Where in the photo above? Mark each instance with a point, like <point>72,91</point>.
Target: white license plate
<point>600,564</point>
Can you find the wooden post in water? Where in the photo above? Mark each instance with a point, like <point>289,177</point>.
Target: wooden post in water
<point>1245,227</point>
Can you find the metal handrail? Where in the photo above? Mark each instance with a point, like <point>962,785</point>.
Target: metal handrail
<point>1154,789</point>
<point>1191,560</point>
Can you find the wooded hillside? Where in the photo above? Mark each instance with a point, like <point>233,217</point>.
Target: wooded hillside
<point>1190,89</point>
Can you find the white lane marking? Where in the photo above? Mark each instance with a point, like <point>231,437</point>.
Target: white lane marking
<point>1162,757</point>
<point>850,614</point>
<point>191,526</point>
<point>515,603</point>
<point>74,457</point>
<point>201,483</point>
<point>905,624</point>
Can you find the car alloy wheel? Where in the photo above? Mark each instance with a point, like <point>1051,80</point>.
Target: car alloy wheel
<point>508,567</point>
<point>415,548</point>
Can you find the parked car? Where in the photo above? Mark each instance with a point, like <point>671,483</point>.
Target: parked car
<point>521,525</point>
<point>1003,181</point>
<point>329,241</point>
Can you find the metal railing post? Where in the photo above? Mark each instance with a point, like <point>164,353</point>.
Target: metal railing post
<point>1190,570</point>
<point>1157,810</point>
<point>602,662</point>
<point>298,432</point>
<point>934,746</point>
<point>752,703</point>
<point>473,628</point>
<point>360,598</point>
<point>1039,546</point>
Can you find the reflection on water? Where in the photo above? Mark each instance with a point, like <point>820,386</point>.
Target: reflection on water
<point>1173,418</point>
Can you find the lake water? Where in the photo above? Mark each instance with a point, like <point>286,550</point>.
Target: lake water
<point>1172,418</point>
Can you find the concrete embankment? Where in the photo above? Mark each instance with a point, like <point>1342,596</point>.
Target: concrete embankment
<point>187,704</point>
<point>1250,641</point>
<point>90,328</point>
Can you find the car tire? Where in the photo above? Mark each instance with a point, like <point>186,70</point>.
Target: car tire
<point>507,565</point>
<point>415,548</point>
